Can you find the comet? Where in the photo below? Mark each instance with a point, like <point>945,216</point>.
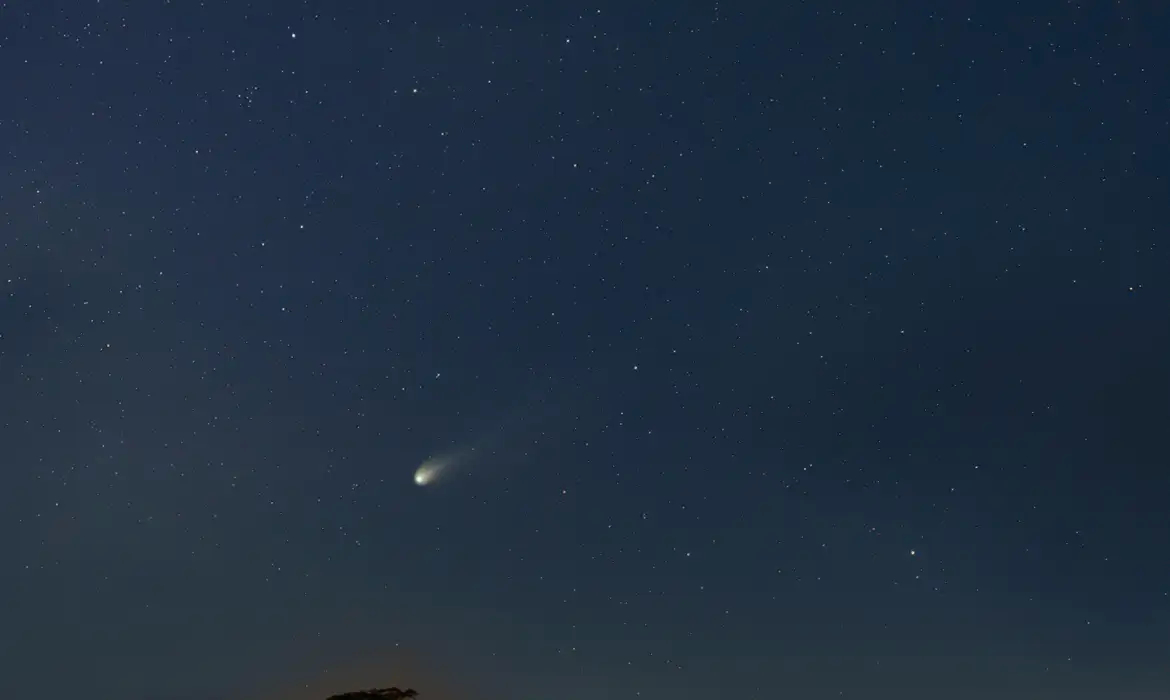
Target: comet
<point>430,471</point>
<point>509,440</point>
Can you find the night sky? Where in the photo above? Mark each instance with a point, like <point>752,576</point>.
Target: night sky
<point>750,350</point>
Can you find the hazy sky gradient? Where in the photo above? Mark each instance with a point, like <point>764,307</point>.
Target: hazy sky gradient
<point>807,350</point>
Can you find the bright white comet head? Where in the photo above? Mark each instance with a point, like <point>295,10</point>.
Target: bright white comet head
<point>429,472</point>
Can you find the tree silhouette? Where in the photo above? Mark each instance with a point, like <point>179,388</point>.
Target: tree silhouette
<point>377,694</point>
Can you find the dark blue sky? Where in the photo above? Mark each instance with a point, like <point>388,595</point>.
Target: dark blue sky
<point>772,350</point>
